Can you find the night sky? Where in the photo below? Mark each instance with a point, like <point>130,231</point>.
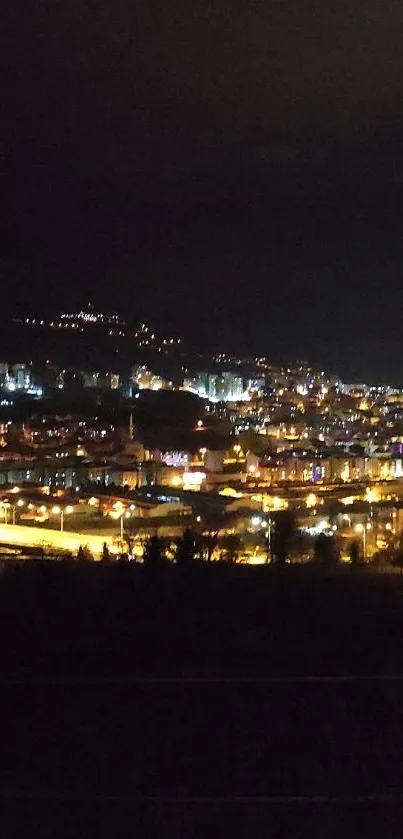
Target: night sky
<point>232,169</point>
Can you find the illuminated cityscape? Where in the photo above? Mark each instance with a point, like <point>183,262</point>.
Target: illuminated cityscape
<point>201,420</point>
<point>147,445</point>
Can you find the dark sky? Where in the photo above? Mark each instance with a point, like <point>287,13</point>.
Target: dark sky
<point>235,169</point>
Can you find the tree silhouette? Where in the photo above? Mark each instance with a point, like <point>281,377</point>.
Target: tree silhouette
<point>213,521</point>
<point>105,553</point>
<point>84,554</point>
<point>231,544</point>
<point>393,553</point>
<point>284,535</point>
<point>354,551</point>
<point>88,556</point>
<point>325,550</point>
<point>397,560</point>
<point>186,547</point>
<point>153,554</point>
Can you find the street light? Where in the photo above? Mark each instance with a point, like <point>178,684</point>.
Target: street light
<point>123,516</point>
<point>20,503</point>
<point>60,511</point>
<point>7,505</point>
<point>362,528</point>
<point>269,527</point>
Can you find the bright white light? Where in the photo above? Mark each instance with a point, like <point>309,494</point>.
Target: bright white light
<point>193,478</point>
<point>318,528</point>
<point>256,520</point>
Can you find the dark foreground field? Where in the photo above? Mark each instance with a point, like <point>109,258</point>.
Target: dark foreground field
<point>222,702</point>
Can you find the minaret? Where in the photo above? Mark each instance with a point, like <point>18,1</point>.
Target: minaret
<point>131,427</point>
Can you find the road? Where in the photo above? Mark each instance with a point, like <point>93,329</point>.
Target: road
<point>29,536</point>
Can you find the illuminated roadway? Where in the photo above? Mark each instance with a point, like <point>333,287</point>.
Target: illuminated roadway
<point>40,537</point>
